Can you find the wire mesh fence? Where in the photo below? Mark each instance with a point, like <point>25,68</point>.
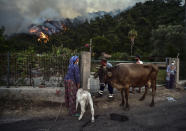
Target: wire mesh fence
<point>32,70</point>
<point>49,71</point>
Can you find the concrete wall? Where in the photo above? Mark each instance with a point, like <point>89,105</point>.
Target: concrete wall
<point>35,94</point>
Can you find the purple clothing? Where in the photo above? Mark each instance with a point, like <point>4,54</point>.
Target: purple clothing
<point>73,72</point>
<point>71,80</point>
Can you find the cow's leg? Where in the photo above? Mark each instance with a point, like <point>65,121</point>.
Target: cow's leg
<point>82,103</point>
<point>153,92</point>
<point>147,86</point>
<point>139,91</point>
<point>133,90</point>
<point>126,97</point>
<point>143,97</point>
<point>122,98</point>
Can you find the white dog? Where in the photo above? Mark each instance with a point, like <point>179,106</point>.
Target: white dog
<point>84,97</point>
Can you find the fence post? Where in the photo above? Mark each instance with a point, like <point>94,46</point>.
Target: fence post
<point>85,69</point>
<point>30,69</point>
<point>177,69</point>
<point>8,70</point>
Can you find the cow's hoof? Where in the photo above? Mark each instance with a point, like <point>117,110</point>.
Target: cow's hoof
<point>122,104</point>
<point>151,104</point>
<point>142,98</point>
<point>126,109</point>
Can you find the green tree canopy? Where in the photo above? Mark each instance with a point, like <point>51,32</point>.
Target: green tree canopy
<point>168,40</point>
<point>101,44</point>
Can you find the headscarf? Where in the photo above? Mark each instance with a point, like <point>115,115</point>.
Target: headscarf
<point>75,58</point>
<point>72,61</point>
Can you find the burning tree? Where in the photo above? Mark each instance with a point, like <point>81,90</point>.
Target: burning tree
<point>43,37</point>
<point>46,29</point>
<point>132,35</point>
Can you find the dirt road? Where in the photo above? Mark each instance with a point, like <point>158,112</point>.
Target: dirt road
<point>165,116</point>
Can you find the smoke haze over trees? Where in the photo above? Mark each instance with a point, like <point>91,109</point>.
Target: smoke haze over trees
<point>17,15</point>
<point>159,24</point>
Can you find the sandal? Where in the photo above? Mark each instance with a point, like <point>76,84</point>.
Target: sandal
<point>76,115</point>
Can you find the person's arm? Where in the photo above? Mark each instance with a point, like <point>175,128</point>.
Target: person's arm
<point>109,65</point>
<point>77,75</point>
<point>96,74</point>
<point>137,62</point>
<point>168,69</point>
<point>175,70</point>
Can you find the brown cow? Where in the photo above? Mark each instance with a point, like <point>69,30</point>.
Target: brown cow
<point>124,76</point>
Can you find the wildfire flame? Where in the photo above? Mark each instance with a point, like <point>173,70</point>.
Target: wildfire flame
<point>40,34</point>
<point>48,28</point>
<point>43,37</point>
<point>33,30</point>
<point>64,27</point>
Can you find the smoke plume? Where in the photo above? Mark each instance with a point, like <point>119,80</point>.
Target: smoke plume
<point>17,15</point>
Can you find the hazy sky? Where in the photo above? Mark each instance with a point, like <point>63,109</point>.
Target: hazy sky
<point>17,15</point>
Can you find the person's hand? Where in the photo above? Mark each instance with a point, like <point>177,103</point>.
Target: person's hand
<point>78,85</point>
<point>95,74</point>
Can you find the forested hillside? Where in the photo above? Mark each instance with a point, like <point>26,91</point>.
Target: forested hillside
<point>158,26</point>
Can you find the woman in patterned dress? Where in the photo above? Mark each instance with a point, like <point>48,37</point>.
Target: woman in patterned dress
<point>72,83</point>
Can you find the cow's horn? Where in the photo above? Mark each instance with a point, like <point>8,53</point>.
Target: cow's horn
<point>109,74</point>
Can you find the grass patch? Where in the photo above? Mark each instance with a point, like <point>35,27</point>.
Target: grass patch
<point>161,76</point>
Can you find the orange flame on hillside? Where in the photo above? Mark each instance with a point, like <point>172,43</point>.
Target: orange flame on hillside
<point>33,30</point>
<point>43,37</point>
<point>64,27</point>
<point>47,28</point>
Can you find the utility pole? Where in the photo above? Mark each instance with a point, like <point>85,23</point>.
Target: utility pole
<point>85,69</point>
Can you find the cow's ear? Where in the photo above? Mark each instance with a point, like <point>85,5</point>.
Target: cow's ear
<point>109,74</point>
